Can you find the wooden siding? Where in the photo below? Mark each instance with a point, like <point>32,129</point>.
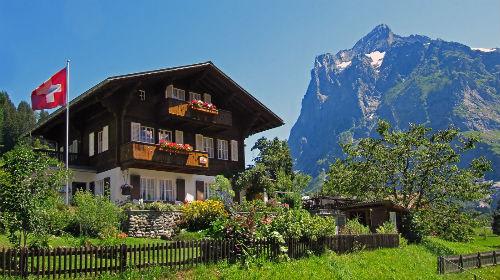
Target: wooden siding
<point>178,108</point>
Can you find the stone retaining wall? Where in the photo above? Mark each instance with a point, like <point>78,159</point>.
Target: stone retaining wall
<point>148,223</point>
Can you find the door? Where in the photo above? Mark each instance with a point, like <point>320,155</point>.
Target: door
<point>181,189</point>
<point>200,190</point>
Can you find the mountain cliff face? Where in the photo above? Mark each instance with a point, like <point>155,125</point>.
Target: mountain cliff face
<point>404,80</point>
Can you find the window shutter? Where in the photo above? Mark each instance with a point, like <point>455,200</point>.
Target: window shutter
<point>91,144</point>
<point>74,146</point>
<point>135,182</point>
<point>179,137</point>
<point>181,189</point>
<point>207,98</point>
<point>105,137</point>
<point>182,95</point>
<point>168,91</point>
<point>199,142</point>
<point>135,130</point>
<point>200,190</point>
<point>234,150</point>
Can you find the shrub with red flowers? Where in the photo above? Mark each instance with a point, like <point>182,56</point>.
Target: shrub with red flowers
<point>206,106</point>
<point>174,147</point>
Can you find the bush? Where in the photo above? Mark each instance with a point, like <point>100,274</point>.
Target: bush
<point>160,206</point>
<point>354,227</point>
<point>96,216</point>
<point>387,227</point>
<point>198,215</point>
<point>298,223</point>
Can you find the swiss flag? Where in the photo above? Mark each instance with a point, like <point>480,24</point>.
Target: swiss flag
<point>51,93</point>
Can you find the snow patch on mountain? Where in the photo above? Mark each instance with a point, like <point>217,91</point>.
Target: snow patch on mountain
<point>484,49</point>
<point>343,65</point>
<point>376,57</point>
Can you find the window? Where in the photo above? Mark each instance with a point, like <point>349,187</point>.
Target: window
<point>234,150</point>
<point>208,146</point>
<point>179,94</point>
<point>166,190</point>
<point>147,189</point>
<point>142,133</point>
<point>165,135</point>
<point>207,98</point>
<point>99,142</point>
<point>103,187</point>
<point>102,140</point>
<point>222,152</point>
<point>179,137</point>
<point>91,144</point>
<point>194,96</point>
<point>206,190</point>
<point>99,187</point>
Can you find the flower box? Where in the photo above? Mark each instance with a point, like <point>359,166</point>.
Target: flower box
<point>205,107</point>
<point>177,148</point>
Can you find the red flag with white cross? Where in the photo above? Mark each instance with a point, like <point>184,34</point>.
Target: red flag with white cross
<point>51,93</point>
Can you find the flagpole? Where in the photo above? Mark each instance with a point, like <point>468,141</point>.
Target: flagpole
<point>67,132</point>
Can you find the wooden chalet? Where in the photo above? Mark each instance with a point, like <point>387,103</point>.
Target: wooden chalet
<point>116,128</point>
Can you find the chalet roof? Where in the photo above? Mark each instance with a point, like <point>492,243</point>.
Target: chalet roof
<point>266,118</point>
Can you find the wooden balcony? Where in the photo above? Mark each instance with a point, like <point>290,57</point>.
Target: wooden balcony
<point>182,109</point>
<point>139,155</point>
<point>74,158</point>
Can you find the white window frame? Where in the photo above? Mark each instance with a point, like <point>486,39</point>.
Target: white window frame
<point>99,187</point>
<point>166,190</point>
<point>179,94</point>
<point>148,188</point>
<point>208,146</point>
<point>165,134</point>
<point>142,95</point>
<point>147,134</point>
<point>222,149</point>
<point>91,144</point>
<point>99,142</point>
<point>234,150</point>
<point>179,137</point>
<point>194,96</point>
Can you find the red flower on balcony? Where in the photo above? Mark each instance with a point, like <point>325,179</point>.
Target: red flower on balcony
<point>204,106</point>
<point>174,147</point>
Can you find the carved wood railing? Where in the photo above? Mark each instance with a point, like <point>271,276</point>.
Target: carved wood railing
<point>183,109</point>
<point>152,153</point>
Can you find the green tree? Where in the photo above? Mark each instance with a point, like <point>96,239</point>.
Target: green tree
<point>222,190</point>
<point>27,182</point>
<point>272,171</point>
<point>416,169</point>
<point>495,225</point>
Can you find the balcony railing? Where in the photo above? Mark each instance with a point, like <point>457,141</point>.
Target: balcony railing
<point>151,153</point>
<point>183,109</point>
<point>73,158</point>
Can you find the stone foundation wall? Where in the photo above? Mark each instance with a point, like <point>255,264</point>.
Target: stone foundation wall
<point>148,223</point>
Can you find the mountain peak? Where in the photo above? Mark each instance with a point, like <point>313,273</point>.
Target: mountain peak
<point>379,39</point>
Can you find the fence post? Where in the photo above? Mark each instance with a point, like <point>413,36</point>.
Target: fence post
<point>440,264</point>
<point>123,258</point>
<point>22,263</point>
<point>479,259</point>
<point>494,257</point>
<point>461,263</point>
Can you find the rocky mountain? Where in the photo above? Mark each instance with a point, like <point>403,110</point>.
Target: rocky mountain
<point>413,79</point>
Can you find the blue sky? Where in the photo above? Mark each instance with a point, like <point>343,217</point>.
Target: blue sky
<point>268,47</point>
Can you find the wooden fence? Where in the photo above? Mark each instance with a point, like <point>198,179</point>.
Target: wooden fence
<point>459,263</point>
<point>91,261</point>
